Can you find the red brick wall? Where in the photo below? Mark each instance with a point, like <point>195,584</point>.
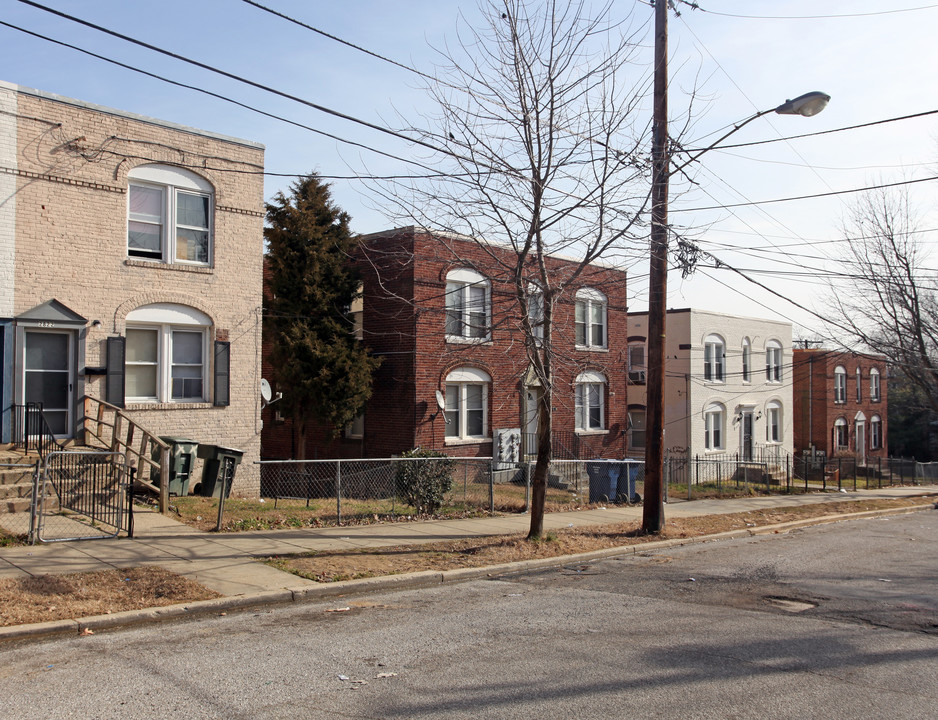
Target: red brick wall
<point>404,283</point>
<point>819,365</point>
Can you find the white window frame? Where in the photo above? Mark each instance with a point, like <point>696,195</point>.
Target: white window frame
<point>590,387</point>
<point>460,380</point>
<point>590,303</point>
<point>714,427</point>
<point>172,183</point>
<point>875,385</point>
<point>747,360</point>
<point>840,385</point>
<point>166,319</point>
<point>637,426</point>
<point>714,359</point>
<point>773,422</point>
<point>876,433</point>
<point>773,361</point>
<point>461,321</point>
<point>536,312</point>
<point>841,428</point>
<point>859,385</point>
<point>637,371</point>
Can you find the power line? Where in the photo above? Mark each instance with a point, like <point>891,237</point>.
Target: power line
<point>695,6</point>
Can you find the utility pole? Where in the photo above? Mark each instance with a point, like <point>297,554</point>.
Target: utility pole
<point>653,510</point>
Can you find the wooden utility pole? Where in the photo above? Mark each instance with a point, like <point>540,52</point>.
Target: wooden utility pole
<point>653,510</point>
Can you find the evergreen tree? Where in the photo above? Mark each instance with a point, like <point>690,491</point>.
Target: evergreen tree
<point>323,370</point>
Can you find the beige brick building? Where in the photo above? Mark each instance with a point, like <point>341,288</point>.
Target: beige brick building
<point>130,271</point>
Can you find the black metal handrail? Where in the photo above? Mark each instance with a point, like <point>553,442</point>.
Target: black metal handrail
<point>31,430</point>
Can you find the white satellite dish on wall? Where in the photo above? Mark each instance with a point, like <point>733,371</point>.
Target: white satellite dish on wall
<point>440,400</point>
<point>266,394</point>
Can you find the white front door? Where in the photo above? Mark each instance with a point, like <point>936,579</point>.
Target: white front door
<point>861,442</point>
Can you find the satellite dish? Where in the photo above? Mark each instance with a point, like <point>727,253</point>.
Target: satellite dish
<point>440,400</point>
<point>265,391</point>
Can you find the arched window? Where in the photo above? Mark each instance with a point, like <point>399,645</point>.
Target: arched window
<point>876,433</point>
<point>590,318</point>
<point>467,393</point>
<point>169,215</point>
<point>747,360</point>
<point>859,385</point>
<point>840,433</point>
<point>166,354</point>
<point>840,384</point>
<point>590,401</point>
<point>714,422</point>
<point>773,422</point>
<point>637,427</point>
<point>875,390</point>
<point>714,358</point>
<point>637,365</point>
<point>773,361</point>
<point>467,306</point>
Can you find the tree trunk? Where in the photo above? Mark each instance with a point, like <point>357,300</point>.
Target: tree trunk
<point>541,467</point>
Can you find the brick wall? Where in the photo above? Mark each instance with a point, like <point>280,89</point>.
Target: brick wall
<point>73,161</point>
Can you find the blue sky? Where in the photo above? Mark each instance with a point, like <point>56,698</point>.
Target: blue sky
<point>874,65</point>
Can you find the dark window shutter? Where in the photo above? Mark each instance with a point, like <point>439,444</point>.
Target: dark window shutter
<point>114,381</point>
<point>222,373</point>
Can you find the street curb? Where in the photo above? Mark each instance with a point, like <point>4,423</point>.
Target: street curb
<point>405,581</point>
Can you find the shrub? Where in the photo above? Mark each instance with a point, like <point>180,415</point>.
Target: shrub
<point>423,484</point>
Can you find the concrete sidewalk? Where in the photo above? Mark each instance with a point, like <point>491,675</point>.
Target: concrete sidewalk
<point>225,562</point>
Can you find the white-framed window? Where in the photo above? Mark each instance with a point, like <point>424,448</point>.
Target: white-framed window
<point>167,354</point>
<point>590,401</point>
<point>840,433</point>
<point>637,367</point>
<point>536,311</point>
<point>467,393</point>
<point>467,306</point>
<point>773,422</point>
<point>773,361</point>
<point>747,360</point>
<point>859,385</point>
<point>876,433</point>
<point>590,318</point>
<point>637,419</point>
<point>714,420</point>
<point>714,358</point>
<point>840,384</point>
<point>169,215</point>
<point>355,430</point>
<point>875,389</point>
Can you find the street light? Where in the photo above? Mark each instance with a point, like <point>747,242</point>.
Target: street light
<point>805,105</point>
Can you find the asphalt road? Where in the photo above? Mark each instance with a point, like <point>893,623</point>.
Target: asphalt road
<point>833,621</point>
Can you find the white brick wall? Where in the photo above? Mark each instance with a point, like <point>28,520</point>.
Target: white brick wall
<point>7,196</point>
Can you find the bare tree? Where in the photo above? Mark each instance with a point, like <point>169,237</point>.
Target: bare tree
<point>885,300</point>
<point>542,150</point>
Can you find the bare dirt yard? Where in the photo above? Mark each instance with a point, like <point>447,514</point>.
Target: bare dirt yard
<point>481,552</point>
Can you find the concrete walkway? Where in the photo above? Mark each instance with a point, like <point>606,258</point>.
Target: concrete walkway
<point>225,562</point>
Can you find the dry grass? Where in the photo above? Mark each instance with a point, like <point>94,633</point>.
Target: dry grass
<point>480,552</point>
<point>60,597</point>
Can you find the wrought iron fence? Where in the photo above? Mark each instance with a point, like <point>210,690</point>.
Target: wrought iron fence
<point>31,431</point>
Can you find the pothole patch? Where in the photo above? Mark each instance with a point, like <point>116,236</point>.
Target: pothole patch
<point>789,604</point>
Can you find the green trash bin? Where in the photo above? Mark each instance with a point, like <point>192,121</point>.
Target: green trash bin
<point>182,453</point>
<point>218,469</point>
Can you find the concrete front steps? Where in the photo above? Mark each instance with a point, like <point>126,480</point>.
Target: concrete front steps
<point>16,480</point>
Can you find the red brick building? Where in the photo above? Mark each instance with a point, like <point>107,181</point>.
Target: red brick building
<point>840,401</point>
<point>441,314</point>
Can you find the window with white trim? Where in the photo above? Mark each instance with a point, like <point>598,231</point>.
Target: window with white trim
<point>747,360</point>
<point>536,312</point>
<point>859,385</point>
<point>590,401</point>
<point>840,433</point>
<point>467,392</point>
<point>169,215</point>
<point>637,419</point>
<point>637,366</point>
<point>590,318</point>
<point>875,389</point>
<point>840,384</point>
<point>714,418</point>
<point>773,361</point>
<point>467,305</point>
<point>714,358</point>
<point>773,422</point>
<point>166,354</point>
<point>876,433</point>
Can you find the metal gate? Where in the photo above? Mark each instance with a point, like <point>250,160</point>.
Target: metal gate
<point>81,496</point>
